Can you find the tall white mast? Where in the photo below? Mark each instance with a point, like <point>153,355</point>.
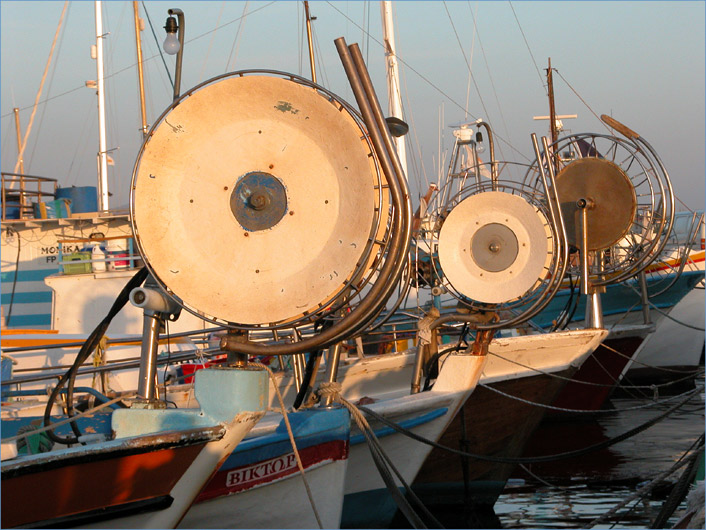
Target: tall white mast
<point>102,148</point>
<point>393,76</point>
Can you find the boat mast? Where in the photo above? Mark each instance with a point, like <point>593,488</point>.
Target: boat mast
<point>310,41</point>
<point>393,77</point>
<point>19,140</point>
<point>102,147</point>
<point>140,74</point>
<point>552,111</point>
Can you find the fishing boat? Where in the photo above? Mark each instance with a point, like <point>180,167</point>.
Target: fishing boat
<point>675,350</point>
<point>144,476</point>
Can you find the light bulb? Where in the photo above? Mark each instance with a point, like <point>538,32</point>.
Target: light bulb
<point>171,44</point>
<point>480,148</point>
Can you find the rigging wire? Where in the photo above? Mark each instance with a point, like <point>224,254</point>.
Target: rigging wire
<point>541,79</point>
<point>490,77</point>
<point>468,64</point>
<point>428,81</point>
<point>28,162</point>
<point>581,99</point>
<point>41,86</point>
<point>236,41</point>
<point>159,48</point>
<point>210,44</point>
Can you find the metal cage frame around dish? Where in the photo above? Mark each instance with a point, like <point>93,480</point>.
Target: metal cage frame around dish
<point>372,258</point>
<point>535,199</point>
<point>650,180</point>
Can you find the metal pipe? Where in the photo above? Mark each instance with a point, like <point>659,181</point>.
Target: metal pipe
<point>123,365</point>
<point>298,368</point>
<point>332,361</point>
<point>594,310</point>
<point>418,368</point>
<point>491,146</point>
<point>582,205</point>
<point>146,387</point>
<point>644,297</point>
<point>180,54</point>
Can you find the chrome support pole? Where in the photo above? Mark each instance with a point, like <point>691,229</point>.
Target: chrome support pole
<point>332,361</point>
<point>582,205</point>
<point>151,324</point>
<point>644,297</point>
<point>180,54</point>
<point>418,367</point>
<point>594,310</point>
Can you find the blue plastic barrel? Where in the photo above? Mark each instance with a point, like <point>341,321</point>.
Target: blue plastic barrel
<point>83,198</point>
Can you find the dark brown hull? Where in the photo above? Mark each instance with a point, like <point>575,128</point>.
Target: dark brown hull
<point>602,370</point>
<point>489,424</point>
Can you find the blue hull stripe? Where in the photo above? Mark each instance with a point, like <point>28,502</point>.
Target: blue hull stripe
<point>28,321</point>
<point>407,424</point>
<point>42,297</point>
<point>27,276</point>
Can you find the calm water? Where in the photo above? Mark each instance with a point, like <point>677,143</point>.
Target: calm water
<point>571,493</point>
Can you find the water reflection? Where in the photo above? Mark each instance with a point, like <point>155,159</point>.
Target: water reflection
<point>571,493</point>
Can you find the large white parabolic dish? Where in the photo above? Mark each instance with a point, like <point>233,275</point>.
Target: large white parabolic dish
<point>253,200</point>
<point>493,247</point>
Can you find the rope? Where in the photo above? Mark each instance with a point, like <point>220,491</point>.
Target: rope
<point>697,328</point>
<point>662,368</point>
<point>382,461</point>
<point>291,439</point>
<point>537,459</point>
<point>689,375</point>
<point>600,411</point>
<point>680,489</point>
<point>641,491</point>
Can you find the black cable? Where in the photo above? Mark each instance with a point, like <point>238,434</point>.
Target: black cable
<point>311,363</point>
<point>306,380</point>
<point>88,347</point>
<point>535,459</point>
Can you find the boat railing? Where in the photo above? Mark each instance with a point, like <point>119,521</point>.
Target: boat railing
<point>123,259</point>
<point>20,192</point>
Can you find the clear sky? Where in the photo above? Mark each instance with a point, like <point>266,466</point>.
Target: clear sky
<point>642,62</point>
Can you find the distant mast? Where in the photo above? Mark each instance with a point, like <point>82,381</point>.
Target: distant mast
<point>102,147</point>
<point>555,123</point>
<point>310,40</point>
<point>393,77</point>
<point>140,74</point>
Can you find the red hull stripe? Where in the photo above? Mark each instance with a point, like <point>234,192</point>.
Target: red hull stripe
<point>235,480</point>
